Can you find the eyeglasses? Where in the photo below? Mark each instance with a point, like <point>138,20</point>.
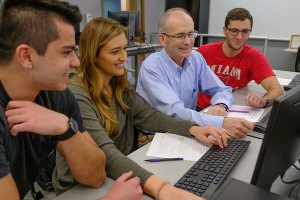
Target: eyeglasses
<point>235,31</point>
<point>182,36</point>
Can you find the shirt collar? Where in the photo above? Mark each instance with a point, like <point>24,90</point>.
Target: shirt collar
<point>173,66</point>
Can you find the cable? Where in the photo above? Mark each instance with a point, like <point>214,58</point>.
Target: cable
<point>255,137</point>
<point>289,182</point>
<point>290,193</point>
<point>297,192</point>
<point>296,167</point>
<point>296,182</point>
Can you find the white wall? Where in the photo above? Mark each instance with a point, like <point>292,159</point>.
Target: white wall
<point>273,19</point>
<point>153,11</point>
<point>93,7</point>
<point>270,17</point>
<point>88,6</point>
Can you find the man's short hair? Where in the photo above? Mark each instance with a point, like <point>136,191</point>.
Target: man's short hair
<point>238,14</point>
<point>163,24</point>
<point>32,22</point>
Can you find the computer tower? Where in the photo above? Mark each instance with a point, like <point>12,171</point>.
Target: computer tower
<point>131,29</point>
<point>129,19</point>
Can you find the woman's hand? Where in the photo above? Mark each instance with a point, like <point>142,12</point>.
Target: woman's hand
<point>218,136</point>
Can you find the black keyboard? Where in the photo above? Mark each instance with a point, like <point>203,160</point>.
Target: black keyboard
<point>262,124</point>
<point>207,174</point>
<point>294,82</point>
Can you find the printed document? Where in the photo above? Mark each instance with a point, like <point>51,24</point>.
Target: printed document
<point>167,145</point>
<point>246,112</point>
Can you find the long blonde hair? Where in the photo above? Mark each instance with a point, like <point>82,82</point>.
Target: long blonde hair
<point>95,35</point>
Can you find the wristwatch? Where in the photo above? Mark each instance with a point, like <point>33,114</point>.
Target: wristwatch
<point>267,100</point>
<point>222,104</point>
<point>72,130</point>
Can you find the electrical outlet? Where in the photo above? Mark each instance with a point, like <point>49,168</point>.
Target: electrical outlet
<point>88,17</point>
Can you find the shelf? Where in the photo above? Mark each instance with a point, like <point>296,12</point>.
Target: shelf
<point>291,50</point>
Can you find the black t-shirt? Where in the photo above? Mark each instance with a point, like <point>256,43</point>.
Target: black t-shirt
<point>25,154</point>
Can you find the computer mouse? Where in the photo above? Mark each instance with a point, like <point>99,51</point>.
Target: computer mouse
<point>260,127</point>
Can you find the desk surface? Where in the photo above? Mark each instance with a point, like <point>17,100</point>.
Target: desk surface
<point>243,170</point>
<point>254,88</point>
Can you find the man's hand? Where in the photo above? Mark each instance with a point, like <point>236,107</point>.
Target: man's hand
<point>217,110</point>
<point>237,127</point>
<point>255,101</point>
<point>31,117</point>
<point>202,133</point>
<point>125,188</point>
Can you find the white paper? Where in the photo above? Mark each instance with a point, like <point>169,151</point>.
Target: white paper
<point>167,145</point>
<point>284,81</point>
<point>253,115</point>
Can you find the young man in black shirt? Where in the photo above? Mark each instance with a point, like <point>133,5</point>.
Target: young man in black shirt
<point>37,111</point>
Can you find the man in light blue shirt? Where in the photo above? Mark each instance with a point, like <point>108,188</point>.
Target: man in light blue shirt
<point>173,89</point>
<point>170,79</point>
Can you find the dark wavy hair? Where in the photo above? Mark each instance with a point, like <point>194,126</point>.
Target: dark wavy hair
<point>32,22</point>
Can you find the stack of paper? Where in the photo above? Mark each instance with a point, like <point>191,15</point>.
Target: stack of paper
<point>167,145</point>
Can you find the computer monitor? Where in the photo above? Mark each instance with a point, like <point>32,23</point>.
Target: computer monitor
<point>129,19</point>
<point>281,143</point>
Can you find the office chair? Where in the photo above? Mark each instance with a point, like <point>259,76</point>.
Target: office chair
<point>297,64</point>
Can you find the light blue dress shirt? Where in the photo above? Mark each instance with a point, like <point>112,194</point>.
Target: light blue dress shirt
<point>173,89</point>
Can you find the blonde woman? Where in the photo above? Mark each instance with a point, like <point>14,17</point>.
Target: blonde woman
<point>110,109</point>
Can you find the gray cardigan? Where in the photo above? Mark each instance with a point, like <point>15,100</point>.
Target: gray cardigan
<point>140,114</point>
